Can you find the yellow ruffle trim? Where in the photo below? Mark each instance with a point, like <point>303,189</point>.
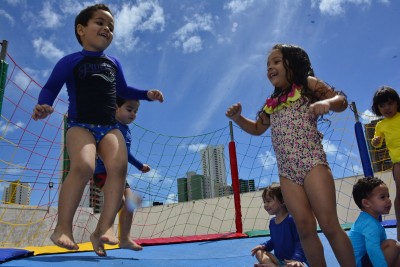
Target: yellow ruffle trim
<point>271,103</point>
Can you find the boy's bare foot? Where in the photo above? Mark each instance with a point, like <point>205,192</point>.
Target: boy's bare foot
<point>99,240</point>
<point>63,240</point>
<point>130,244</point>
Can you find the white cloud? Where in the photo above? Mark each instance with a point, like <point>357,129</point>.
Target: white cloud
<point>196,147</point>
<point>171,198</point>
<point>188,36</point>
<point>7,128</point>
<point>267,160</point>
<point>337,7</point>
<point>146,16</point>
<point>367,116</point>
<point>47,49</point>
<point>7,16</point>
<point>238,6</point>
<point>49,18</point>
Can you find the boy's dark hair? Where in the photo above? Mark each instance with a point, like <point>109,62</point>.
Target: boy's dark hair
<point>363,188</point>
<point>382,95</point>
<point>273,191</point>
<point>85,15</point>
<point>120,101</point>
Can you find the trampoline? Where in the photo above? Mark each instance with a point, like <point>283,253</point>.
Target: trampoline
<point>230,252</point>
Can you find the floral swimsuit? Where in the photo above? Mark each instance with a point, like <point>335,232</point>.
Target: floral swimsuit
<point>295,136</point>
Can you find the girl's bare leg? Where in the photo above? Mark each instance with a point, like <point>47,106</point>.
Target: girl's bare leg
<point>396,174</point>
<point>125,220</point>
<point>299,207</point>
<point>82,151</point>
<point>112,150</point>
<point>320,189</point>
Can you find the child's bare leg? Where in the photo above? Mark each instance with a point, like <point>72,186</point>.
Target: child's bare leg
<point>81,150</point>
<point>125,220</point>
<point>392,252</point>
<point>396,174</point>
<point>320,189</point>
<point>112,150</point>
<point>265,257</point>
<point>298,205</point>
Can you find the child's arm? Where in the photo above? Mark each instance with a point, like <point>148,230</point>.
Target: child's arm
<point>329,99</point>
<point>51,89</point>
<point>252,127</point>
<point>129,92</point>
<point>377,141</point>
<point>140,166</point>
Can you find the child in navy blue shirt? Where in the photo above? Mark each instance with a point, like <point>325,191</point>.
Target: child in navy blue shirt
<point>284,239</point>
<point>93,80</point>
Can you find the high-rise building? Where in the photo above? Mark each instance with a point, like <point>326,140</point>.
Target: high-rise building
<point>380,158</point>
<point>17,193</point>
<point>214,171</point>
<point>195,183</point>
<point>182,189</point>
<point>246,186</point>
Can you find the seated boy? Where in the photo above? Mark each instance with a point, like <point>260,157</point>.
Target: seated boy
<point>367,235</point>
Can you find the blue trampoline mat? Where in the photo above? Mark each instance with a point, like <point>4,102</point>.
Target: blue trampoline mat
<point>231,252</point>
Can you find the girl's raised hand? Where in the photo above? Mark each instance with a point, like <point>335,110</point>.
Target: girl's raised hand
<point>41,111</point>
<point>234,111</point>
<point>319,108</point>
<point>155,95</point>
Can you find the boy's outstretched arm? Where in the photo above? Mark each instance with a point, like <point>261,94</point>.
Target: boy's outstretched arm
<point>155,95</point>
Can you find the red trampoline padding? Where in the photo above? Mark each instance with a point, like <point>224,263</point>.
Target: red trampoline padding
<point>185,239</point>
<point>7,254</point>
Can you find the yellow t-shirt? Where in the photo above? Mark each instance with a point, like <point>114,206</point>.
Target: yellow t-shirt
<point>389,129</point>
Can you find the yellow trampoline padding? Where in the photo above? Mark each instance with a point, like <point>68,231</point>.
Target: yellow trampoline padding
<point>55,249</point>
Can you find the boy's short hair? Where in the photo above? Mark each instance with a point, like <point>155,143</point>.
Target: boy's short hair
<point>120,101</point>
<point>273,191</point>
<point>363,188</point>
<point>86,14</point>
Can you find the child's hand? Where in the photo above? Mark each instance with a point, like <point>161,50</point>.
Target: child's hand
<point>234,111</point>
<point>294,263</point>
<point>41,111</point>
<point>376,140</point>
<point>254,250</point>
<point>146,168</point>
<point>319,108</point>
<point>155,95</point>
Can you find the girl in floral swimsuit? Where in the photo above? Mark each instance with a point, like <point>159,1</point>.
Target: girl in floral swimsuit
<point>305,177</point>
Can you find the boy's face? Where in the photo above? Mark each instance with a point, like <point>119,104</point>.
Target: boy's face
<point>127,112</point>
<point>98,33</point>
<point>378,202</point>
<point>272,205</point>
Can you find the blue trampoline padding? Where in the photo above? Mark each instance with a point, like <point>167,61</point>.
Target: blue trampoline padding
<point>7,254</point>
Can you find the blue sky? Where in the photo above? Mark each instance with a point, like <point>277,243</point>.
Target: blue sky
<point>207,55</point>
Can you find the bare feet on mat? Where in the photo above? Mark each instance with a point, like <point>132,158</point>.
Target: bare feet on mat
<point>98,242</point>
<point>130,244</point>
<point>63,240</point>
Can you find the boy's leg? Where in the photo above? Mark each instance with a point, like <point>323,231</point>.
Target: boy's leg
<point>82,151</point>
<point>112,150</point>
<point>396,175</point>
<point>299,207</point>
<point>320,189</point>
<point>125,221</point>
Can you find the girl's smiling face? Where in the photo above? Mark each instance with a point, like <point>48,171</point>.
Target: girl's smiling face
<point>277,73</point>
<point>98,33</point>
<point>388,109</point>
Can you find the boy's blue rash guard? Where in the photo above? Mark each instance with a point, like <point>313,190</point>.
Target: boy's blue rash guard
<point>93,81</point>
